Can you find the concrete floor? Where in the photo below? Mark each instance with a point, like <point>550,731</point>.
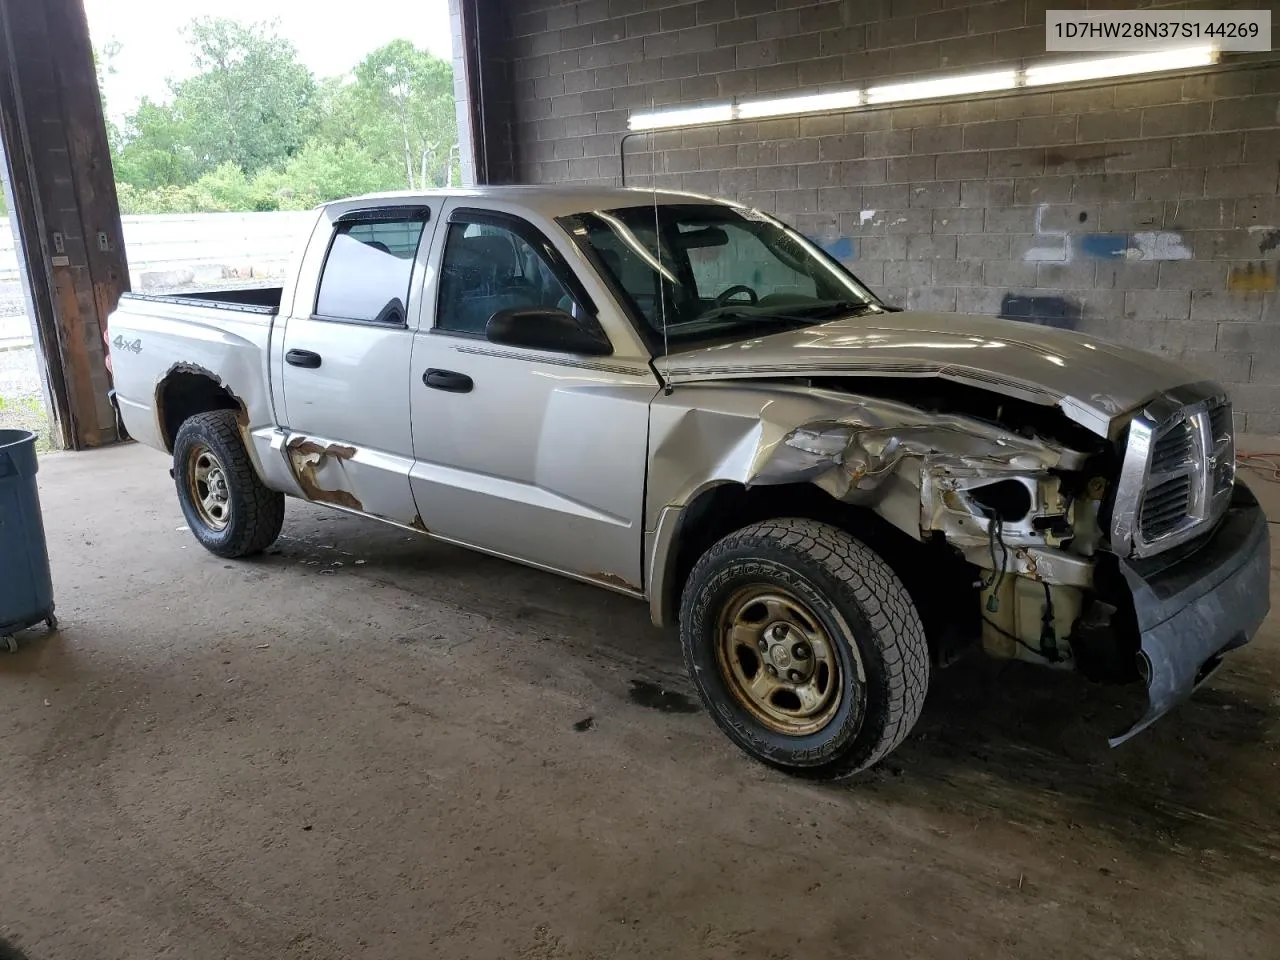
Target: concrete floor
<point>365,745</point>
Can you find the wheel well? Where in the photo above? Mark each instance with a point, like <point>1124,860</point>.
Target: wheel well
<point>183,394</point>
<point>939,580</point>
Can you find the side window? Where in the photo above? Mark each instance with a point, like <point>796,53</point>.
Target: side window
<point>487,268</point>
<point>367,272</point>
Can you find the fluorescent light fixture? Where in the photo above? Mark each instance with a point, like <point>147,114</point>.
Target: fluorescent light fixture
<point>943,87</point>
<point>1120,66</point>
<point>936,88</point>
<point>790,106</point>
<point>681,117</point>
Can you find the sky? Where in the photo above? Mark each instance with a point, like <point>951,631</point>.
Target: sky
<point>153,51</point>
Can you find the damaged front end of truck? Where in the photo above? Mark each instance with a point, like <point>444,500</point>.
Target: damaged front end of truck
<point>1125,556</point>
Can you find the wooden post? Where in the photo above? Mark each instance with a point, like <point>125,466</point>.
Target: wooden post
<point>65,205</point>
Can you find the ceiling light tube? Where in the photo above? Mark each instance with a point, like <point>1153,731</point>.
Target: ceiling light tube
<point>790,106</point>
<point>681,117</point>
<point>935,88</point>
<point>1106,67</point>
<point>943,87</point>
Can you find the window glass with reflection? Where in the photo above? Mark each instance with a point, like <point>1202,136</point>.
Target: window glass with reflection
<point>696,273</point>
<point>367,272</point>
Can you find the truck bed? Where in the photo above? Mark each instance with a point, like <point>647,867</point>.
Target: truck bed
<point>264,300</point>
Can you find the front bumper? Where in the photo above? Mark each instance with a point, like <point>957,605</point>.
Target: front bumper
<point>1194,607</point>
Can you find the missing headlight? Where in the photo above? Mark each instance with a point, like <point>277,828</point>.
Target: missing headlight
<point>1008,500</point>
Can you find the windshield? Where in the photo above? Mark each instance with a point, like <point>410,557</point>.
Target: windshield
<point>709,271</point>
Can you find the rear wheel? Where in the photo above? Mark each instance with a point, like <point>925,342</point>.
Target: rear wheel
<point>805,647</point>
<point>227,506</point>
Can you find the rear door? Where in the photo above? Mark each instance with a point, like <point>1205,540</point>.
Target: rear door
<point>346,359</point>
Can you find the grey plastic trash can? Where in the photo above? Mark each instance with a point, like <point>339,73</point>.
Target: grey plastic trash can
<point>26,587</point>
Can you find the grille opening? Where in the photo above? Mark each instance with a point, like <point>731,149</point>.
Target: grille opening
<point>1173,449</point>
<point>1165,506</point>
<point>1220,421</point>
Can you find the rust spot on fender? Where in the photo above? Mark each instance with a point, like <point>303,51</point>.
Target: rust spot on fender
<point>613,580</point>
<point>418,525</point>
<point>307,458</point>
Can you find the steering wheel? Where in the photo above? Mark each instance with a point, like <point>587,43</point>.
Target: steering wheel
<point>733,291</point>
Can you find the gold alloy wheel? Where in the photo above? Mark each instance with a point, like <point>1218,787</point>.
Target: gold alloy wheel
<point>207,486</point>
<point>778,661</point>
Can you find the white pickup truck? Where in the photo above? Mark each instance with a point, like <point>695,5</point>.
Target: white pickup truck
<point>684,400</point>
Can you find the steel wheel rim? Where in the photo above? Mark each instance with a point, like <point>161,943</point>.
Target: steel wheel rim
<point>207,486</point>
<point>778,661</point>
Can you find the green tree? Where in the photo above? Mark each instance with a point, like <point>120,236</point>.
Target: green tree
<point>326,171</point>
<point>104,66</point>
<point>403,99</point>
<point>250,104</point>
<point>254,131</point>
<point>155,149</point>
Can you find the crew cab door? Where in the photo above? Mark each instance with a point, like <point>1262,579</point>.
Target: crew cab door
<point>538,455</point>
<point>346,353</point>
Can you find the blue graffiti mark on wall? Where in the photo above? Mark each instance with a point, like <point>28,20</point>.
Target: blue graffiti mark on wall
<point>840,247</point>
<point>1107,245</point>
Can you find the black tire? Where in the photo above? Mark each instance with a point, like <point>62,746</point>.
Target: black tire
<point>254,514</point>
<point>867,616</point>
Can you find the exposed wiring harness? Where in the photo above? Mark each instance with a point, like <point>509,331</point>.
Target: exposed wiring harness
<point>995,532</point>
<point>1266,464</point>
<point>1022,643</point>
<point>1049,648</point>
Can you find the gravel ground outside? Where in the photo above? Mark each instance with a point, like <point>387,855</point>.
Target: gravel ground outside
<point>21,404</point>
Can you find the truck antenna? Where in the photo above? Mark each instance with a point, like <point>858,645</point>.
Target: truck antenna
<point>667,385</point>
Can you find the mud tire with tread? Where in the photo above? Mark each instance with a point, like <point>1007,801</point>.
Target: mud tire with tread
<point>858,600</point>
<point>257,513</point>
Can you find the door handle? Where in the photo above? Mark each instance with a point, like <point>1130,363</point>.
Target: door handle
<point>447,380</point>
<point>302,358</point>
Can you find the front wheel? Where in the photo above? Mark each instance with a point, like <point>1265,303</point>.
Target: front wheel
<point>228,508</point>
<point>805,647</point>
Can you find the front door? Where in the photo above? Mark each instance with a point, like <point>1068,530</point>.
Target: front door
<point>346,366</point>
<point>533,454</point>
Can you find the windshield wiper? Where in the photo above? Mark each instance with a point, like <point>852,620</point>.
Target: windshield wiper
<point>799,313</point>
<point>837,306</point>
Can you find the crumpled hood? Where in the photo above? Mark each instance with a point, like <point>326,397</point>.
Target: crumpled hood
<point>1093,381</point>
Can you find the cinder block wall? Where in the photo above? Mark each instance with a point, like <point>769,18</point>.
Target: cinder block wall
<point>1145,212</point>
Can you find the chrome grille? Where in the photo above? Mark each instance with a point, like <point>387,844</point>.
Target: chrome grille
<point>1178,471</point>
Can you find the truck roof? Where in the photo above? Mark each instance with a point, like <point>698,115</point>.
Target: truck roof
<point>551,201</point>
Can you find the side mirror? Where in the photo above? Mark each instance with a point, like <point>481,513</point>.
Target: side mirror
<point>545,328</point>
